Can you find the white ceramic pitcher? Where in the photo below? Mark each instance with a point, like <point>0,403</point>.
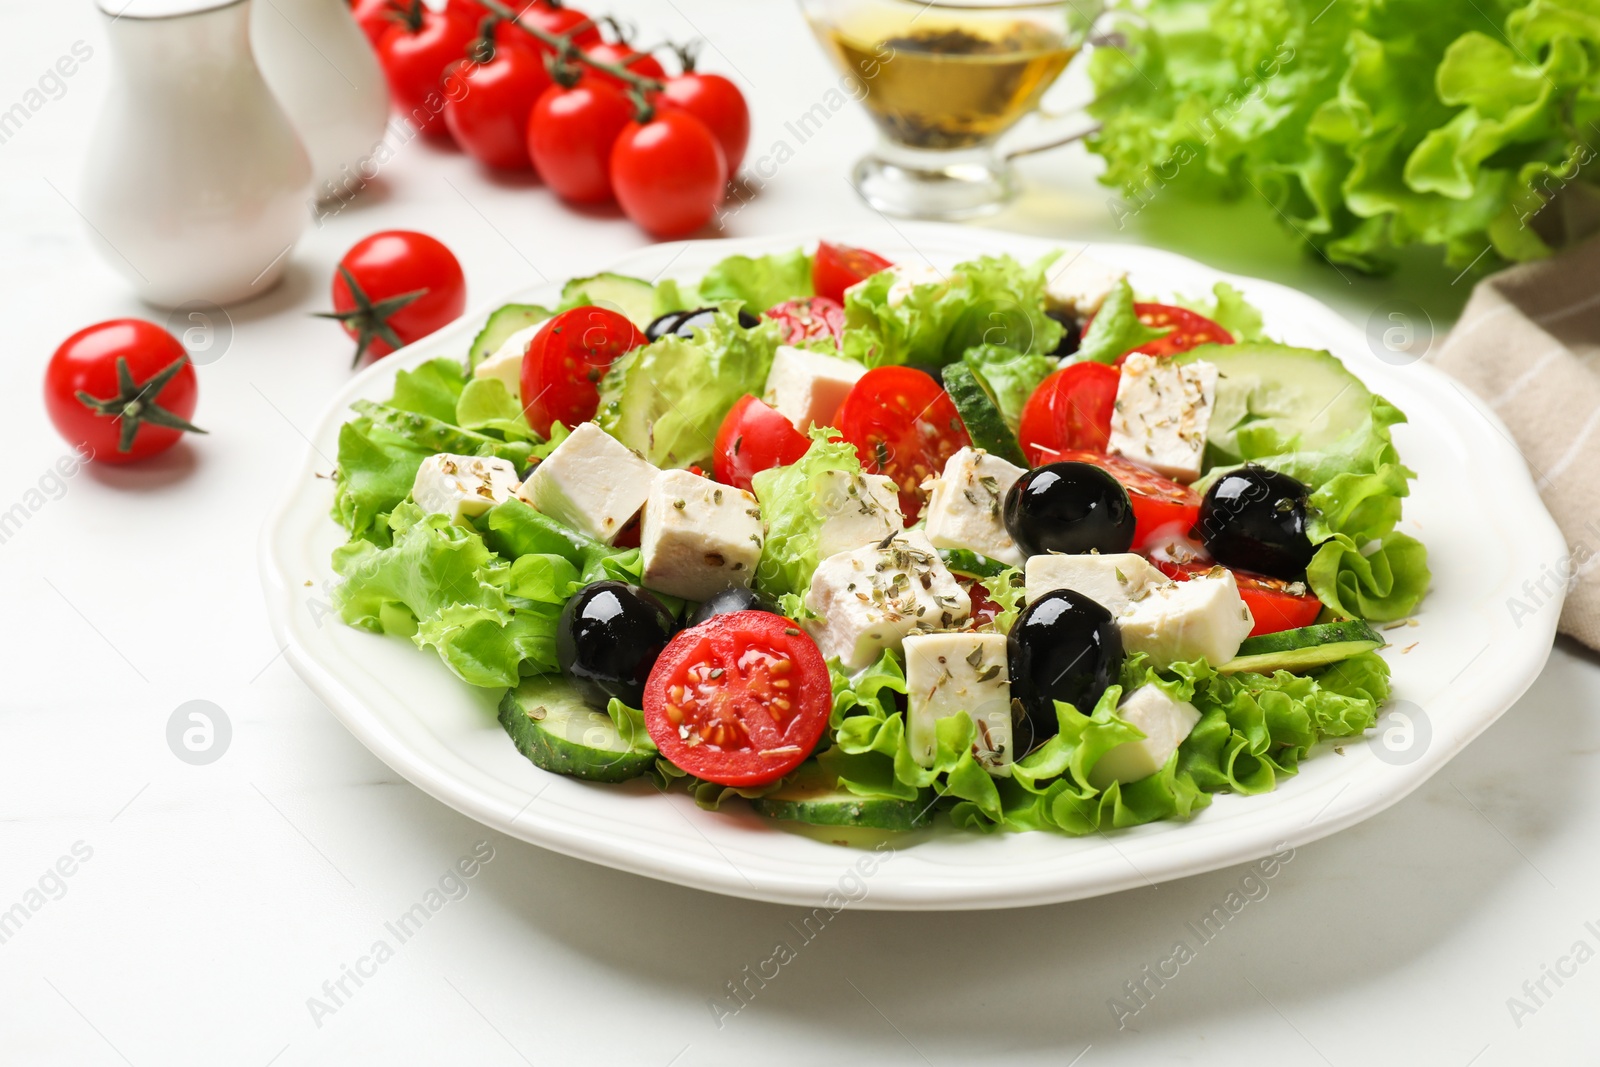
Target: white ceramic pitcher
<point>318,62</point>
<point>197,186</point>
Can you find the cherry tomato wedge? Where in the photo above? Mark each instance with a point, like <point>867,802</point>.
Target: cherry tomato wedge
<point>815,318</point>
<point>565,361</point>
<point>1160,505</point>
<point>903,426</point>
<point>1071,409</point>
<point>838,267</point>
<point>1275,604</point>
<point>1186,329</point>
<point>753,438</point>
<point>741,699</point>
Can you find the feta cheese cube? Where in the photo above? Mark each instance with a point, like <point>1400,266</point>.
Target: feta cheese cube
<point>698,538</point>
<point>1113,580</point>
<point>505,363</point>
<point>1162,413</point>
<point>870,598</point>
<point>1079,285</point>
<point>1163,721</point>
<point>856,510</point>
<point>964,508</point>
<point>947,673</point>
<point>908,276</point>
<point>462,486</point>
<point>807,387</point>
<point>592,482</point>
<point>1202,618</point>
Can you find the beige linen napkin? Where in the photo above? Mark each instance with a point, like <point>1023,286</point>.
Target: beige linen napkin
<point>1527,344</point>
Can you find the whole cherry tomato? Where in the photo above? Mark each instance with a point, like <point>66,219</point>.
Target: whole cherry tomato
<point>718,103</point>
<point>395,287</point>
<point>620,54</point>
<point>375,17</point>
<point>414,53</point>
<point>669,173</point>
<point>500,83</point>
<point>571,133</point>
<point>121,390</point>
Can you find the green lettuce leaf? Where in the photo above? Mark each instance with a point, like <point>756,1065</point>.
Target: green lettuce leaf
<point>788,497</point>
<point>991,300</point>
<point>486,404</point>
<point>1116,329</point>
<point>440,585</point>
<point>1368,127</point>
<point>1254,729</point>
<point>375,472</point>
<point>1229,309</point>
<point>1011,376</point>
<point>759,282</point>
<point>667,399</point>
<point>431,389</point>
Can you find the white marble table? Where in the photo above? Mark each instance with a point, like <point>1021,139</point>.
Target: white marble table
<point>208,905</point>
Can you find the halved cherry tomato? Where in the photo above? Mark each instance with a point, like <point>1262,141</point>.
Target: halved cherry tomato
<point>838,267</point>
<point>753,438</point>
<point>565,361</point>
<point>1160,505</point>
<point>903,426</point>
<point>815,318</point>
<point>741,699</point>
<point>984,610</point>
<point>1275,604</point>
<point>1071,409</point>
<point>1186,329</point>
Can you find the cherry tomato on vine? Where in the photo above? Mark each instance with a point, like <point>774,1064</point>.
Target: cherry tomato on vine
<point>562,368</point>
<point>489,119</point>
<point>571,133</point>
<point>1070,409</point>
<point>1274,604</point>
<point>375,17</point>
<point>718,103</point>
<point>121,390</point>
<point>813,318</point>
<point>1162,508</point>
<point>903,425</point>
<point>394,287</point>
<point>469,10</point>
<point>838,267</point>
<point>621,54</point>
<point>669,173</point>
<point>561,21</point>
<point>754,437</point>
<point>414,53</point>
<point>740,699</point>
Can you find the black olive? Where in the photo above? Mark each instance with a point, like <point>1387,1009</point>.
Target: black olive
<point>1064,646</point>
<point>608,639</point>
<point>1072,338</point>
<point>700,318</point>
<point>662,325</point>
<point>1069,507</point>
<point>736,598</point>
<point>1255,519</point>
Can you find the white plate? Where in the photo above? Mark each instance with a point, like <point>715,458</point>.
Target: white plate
<point>1454,673</point>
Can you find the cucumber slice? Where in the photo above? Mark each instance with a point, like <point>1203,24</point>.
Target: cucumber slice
<point>1304,649</point>
<point>503,322</point>
<point>971,564</point>
<point>634,298</point>
<point>981,414</point>
<point>555,729</point>
<point>1297,394</point>
<point>812,796</point>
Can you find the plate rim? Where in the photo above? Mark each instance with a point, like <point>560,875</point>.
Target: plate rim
<point>1188,853</point>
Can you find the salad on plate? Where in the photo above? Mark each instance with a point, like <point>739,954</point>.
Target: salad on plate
<point>1015,546</point>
